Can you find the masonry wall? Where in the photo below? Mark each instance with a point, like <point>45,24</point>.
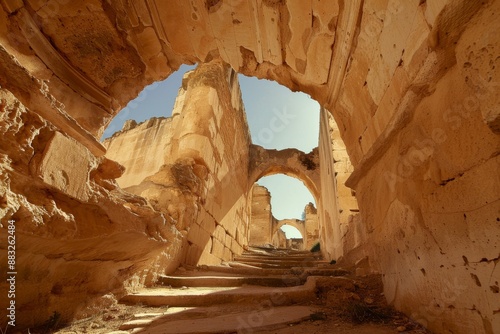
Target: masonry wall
<point>214,133</point>
<point>140,149</point>
<point>328,212</point>
<point>195,164</point>
<point>261,221</point>
<point>413,88</point>
<point>279,239</point>
<point>428,186</point>
<point>312,226</point>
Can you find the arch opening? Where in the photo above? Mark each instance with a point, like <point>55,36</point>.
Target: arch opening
<point>283,217</point>
<point>279,118</point>
<point>289,237</point>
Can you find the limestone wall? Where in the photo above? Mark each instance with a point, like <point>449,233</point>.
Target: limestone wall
<point>279,239</point>
<point>431,208</point>
<point>141,149</point>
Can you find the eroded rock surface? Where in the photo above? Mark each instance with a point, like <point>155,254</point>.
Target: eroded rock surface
<point>413,88</point>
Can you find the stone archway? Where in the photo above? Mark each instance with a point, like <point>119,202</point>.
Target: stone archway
<point>291,162</point>
<point>298,224</point>
<point>412,86</point>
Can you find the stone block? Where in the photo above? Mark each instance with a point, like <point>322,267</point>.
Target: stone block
<point>197,235</point>
<point>220,234</point>
<point>227,254</point>
<point>65,165</point>
<point>193,254</point>
<point>217,248</point>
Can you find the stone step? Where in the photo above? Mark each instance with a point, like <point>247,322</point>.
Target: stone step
<point>297,262</point>
<point>277,258</point>
<point>332,272</point>
<point>276,250</point>
<point>235,268</point>
<point>281,264</point>
<point>257,271</point>
<point>213,296</point>
<point>225,281</point>
<point>241,322</point>
<point>281,256</point>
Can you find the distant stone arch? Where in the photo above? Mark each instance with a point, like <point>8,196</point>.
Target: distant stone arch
<point>290,162</point>
<point>298,224</point>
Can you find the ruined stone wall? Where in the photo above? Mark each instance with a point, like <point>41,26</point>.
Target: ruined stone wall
<point>312,226</point>
<point>213,132</point>
<point>431,209</point>
<point>411,84</point>
<point>330,235</point>
<point>141,149</point>
<point>279,239</point>
<point>261,220</point>
<point>193,166</point>
<point>429,189</point>
<point>348,222</point>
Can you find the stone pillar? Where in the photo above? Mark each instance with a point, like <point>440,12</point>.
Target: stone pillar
<point>262,219</point>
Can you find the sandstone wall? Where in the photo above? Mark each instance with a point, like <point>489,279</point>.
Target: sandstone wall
<point>141,149</point>
<point>279,239</point>
<point>429,192</point>
<point>431,208</point>
<point>312,226</point>
<point>261,220</point>
<point>194,165</point>
<point>328,212</point>
<point>412,86</point>
<point>71,223</point>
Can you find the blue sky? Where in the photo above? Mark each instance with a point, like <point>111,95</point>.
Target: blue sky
<point>277,117</point>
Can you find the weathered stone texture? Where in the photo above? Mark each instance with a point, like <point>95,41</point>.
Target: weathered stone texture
<point>141,149</point>
<point>71,223</point>
<point>292,162</point>
<point>279,239</point>
<point>312,226</point>
<point>262,218</point>
<point>193,166</point>
<point>430,205</point>
<point>413,87</point>
<point>330,236</point>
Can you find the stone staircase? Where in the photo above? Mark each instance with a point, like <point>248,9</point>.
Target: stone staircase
<point>262,289</point>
